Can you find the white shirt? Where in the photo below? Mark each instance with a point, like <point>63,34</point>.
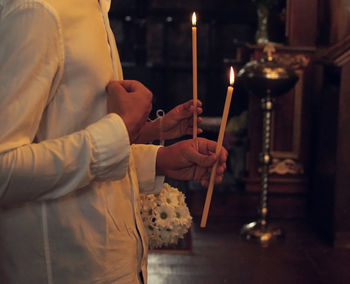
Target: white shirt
<point>69,202</point>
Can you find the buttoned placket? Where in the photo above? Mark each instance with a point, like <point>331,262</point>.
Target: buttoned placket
<point>117,70</point>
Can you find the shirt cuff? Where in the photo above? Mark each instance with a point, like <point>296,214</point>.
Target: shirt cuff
<point>110,148</point>
<point>145,157</point>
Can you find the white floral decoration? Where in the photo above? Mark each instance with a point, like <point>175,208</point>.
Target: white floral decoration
<point>166,216</point>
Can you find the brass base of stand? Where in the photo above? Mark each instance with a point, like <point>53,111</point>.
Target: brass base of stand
<point>264,234</point>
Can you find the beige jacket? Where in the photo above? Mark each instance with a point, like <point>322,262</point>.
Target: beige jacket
<point>69,202</point>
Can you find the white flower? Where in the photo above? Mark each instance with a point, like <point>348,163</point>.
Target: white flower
<point>181,198</point>
<point>172,199</point>
<point>165,216</point>
<point>149,202</point>
<point>183,215</point>
<point>151,230</point>
<point>167,236</point>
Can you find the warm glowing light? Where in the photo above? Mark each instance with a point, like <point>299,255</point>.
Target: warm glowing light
<point>194,19</point>
<point>273,73</point>
<point>232,76</point>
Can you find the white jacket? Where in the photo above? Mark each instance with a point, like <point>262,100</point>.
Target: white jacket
<point>69,180</point>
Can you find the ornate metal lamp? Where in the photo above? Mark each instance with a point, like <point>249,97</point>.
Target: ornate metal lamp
<point>266,79</point>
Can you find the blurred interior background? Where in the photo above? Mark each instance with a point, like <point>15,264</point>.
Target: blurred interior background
<point>310,175</point>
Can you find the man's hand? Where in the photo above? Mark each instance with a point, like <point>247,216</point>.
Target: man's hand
<point>132,101</point>
<point>183,162</point>
<point>174,124</point>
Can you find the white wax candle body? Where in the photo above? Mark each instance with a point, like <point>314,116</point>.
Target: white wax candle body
<point>218,149</point>
<point>224,118</point>
<point>194,72</point>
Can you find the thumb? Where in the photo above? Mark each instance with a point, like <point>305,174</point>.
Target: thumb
<point>114,86</point>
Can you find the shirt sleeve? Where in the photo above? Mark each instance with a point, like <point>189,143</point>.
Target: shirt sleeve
<point>30,66</point>
<point>145,165</point>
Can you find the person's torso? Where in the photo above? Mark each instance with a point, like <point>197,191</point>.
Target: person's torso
<point>88,67</point>
<point>92,235</point>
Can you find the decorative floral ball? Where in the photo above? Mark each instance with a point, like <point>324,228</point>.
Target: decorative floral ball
<point>166,216</point>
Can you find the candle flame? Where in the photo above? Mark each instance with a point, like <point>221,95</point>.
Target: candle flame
<point>194,19</point>
<point>232,76</point>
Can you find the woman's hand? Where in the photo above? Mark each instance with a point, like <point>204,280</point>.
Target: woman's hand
<point>179,121</point>
<point>182,161</point>
<point>174,124</point>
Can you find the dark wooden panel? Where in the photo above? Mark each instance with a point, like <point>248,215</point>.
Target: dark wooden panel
<point>284,128</point>
<point>302,22</point>
<point>331,140</point>
<point>342,197</point>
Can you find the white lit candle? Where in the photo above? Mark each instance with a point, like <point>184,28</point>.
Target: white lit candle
<point>194,72</point>
<point>218,148</point>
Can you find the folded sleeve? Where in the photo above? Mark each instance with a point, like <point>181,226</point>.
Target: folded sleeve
<point>144,157</point>
<point>30,66</point>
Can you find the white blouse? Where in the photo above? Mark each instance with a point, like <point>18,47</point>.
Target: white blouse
<point>69,179</point>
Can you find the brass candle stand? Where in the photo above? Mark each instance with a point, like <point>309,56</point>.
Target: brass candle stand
<point>266,79</point>
<point>261,230</point>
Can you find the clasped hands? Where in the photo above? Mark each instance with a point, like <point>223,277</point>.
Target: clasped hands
<point>183,160</point>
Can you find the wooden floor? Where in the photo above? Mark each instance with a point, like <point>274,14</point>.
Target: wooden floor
<point>219,255</point>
